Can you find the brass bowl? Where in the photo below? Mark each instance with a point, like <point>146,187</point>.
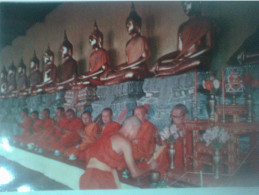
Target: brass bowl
<point>154,176</point>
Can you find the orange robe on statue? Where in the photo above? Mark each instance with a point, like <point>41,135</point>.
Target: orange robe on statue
<point>145,146</point>
<point>110,128</point>
<point>91,131</point>
<point>98,59</point>
<point>27,130</point>
<point>72,138</point>
<point>102,162</point>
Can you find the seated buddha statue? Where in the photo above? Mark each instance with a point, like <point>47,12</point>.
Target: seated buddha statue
<point>22,81</point>
<point>35,75</point>
<point>99,61</point>
<point>196,38</point>
<point>68,72</point>
<point>11,78</point>
<point>248,52</point>
<point>137,52</point>
<point>3,82</point>
<point>49,71</point>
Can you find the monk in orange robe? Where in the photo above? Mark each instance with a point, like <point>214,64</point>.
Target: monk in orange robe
<point>26,125</point>
<point>108,153</point>
<point>144,146</point>
<point>109,126</point>
<point>60,122</point>
<point>35,122</point>
<point>89,135</point>
<point>46,130</point>
<point>70,136</point>
<point>179,115</point>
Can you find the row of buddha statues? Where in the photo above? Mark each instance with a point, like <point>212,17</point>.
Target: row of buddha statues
<point>196,40</point>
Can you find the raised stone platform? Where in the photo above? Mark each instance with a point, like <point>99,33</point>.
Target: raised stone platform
<point>162,94</point>
<point>118,97</point>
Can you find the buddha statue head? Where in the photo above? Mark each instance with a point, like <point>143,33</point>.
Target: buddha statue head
<point>12,71</point>
<point>192,8</point>
<point>21,68</point>
<point>66,47</point>
<point>48,56</point>
<point>3,74</point>
<point>96,38</point>
<point>133,22</point>
<point>34,63</point>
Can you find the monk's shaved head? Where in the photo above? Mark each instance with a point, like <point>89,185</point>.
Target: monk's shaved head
<point>132,120</point>
<point>131,127</point>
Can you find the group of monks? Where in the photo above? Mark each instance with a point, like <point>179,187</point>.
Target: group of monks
<point>196,39</point>
<point>107,145</point>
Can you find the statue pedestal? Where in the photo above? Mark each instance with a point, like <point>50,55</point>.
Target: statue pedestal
<point>118,97</point>
<point>162,94</point>
<point>80,99</point>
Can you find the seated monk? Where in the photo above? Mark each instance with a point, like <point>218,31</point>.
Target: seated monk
<point>35,75</point>
<point>109,126</point>
<point>46,131</point>
<point>34,118</point>
<point>3,82</point>
<point>99,60</point>
<point>26,126</point>
<point>109,153</point>
<point>22,81</point>
<point>69,66</point>
<point>248,52</point>
<point>89,135</point>
<point>144,146</point>
<point>11,78</point>
<point>70,136</point>
<point>179,115</point>
<point>61,122</point>
<point>36,122</point>
<point>137,52</point>
<point>196,39</point>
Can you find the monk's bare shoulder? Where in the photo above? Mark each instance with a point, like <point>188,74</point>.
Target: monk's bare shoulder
<point>119,143</point>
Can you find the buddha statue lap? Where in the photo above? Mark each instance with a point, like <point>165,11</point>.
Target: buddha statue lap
<point>49,72</point>
<point>248,52</point>
<point>12,80</point>
<point>137,52</point>
<point>22,81</point>
<point>99,60</point>
<point>68,67</point>
<point>35,76</point>
<point>196,39</point>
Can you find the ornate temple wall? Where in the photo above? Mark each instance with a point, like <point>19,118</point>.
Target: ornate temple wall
<point>160,21</point>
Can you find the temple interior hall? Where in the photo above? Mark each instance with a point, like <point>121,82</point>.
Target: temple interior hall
<point>131,95</point>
